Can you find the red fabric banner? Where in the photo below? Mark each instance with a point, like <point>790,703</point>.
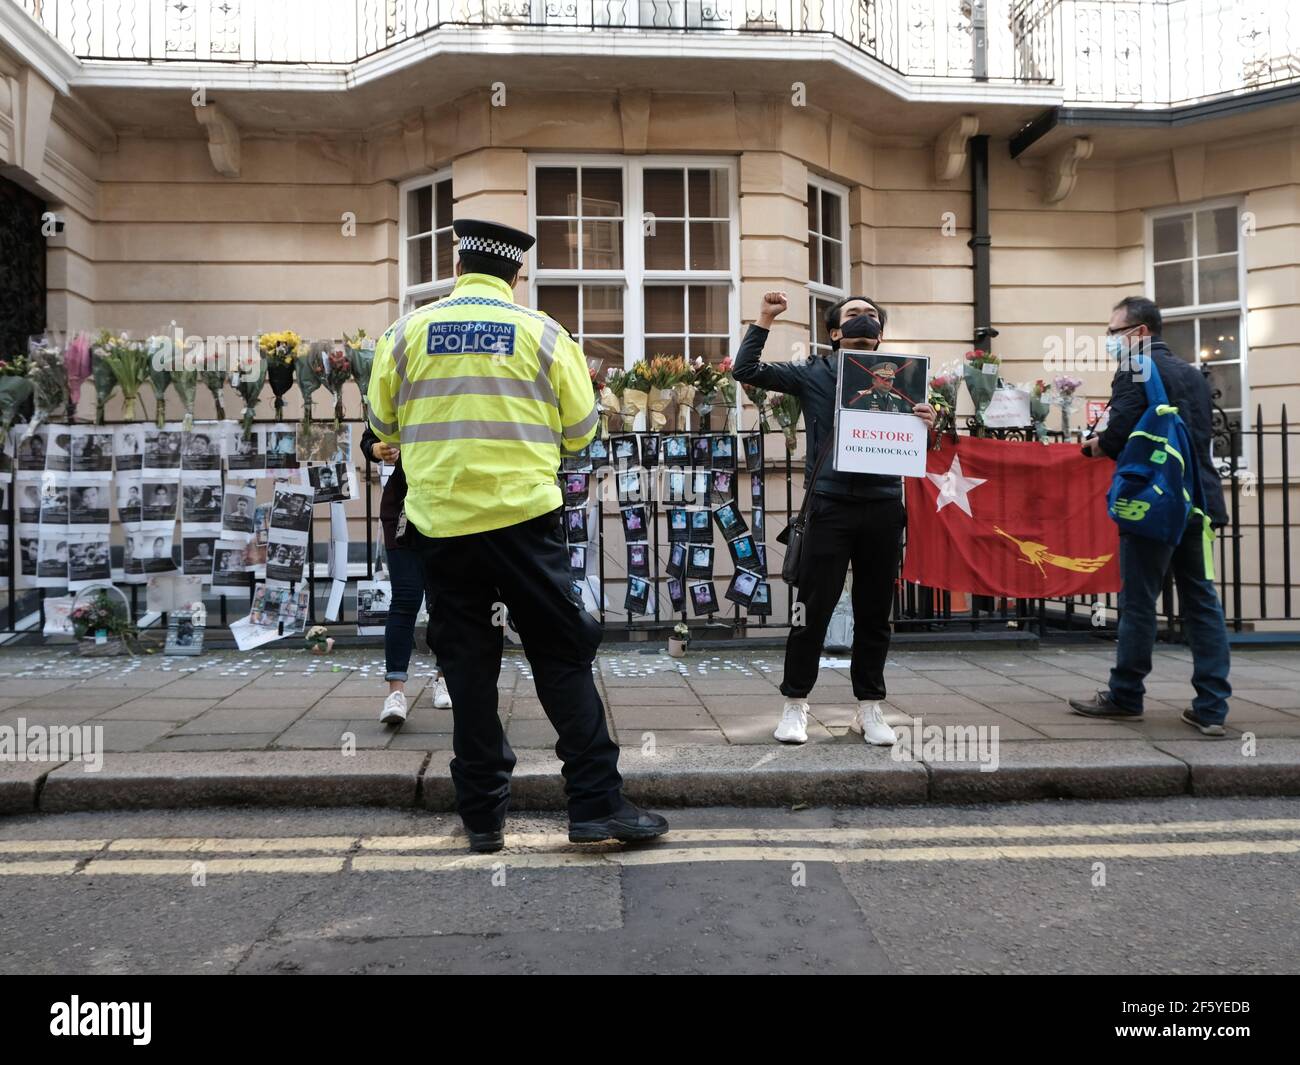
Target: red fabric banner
<point>1027,521</point>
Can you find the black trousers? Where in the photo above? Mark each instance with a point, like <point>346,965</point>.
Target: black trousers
<point>869,535</point>
<point>525,567</point>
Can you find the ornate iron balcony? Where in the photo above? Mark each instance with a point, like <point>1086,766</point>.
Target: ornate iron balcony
<point>1148,53</point>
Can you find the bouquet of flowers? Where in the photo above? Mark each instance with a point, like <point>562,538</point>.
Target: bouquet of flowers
<point>664,372</point>
<point>15,391</point>
<point>786,409</point>
<point>160,375</point>
<point>311,375</point>
<point>1039,407</point>
<point>215,379</point>
<point>77,363</point>
<point>128,362</point>
<point>714,389</point>
<point>49,380</point>
<point>361,356</point>
<point>943,396</point>
<point>685,390</point>
<point>280,351</point>
<point>636,392</point>
<point>248,383</point>
<point>981,374</point>
<point>186,383</point>
<point>102,612</point>
<point>338,371</point>
<point>1064,394</point>
<point>609,394</point>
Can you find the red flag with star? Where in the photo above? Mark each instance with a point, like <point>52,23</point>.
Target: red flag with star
<point>1028,521</point>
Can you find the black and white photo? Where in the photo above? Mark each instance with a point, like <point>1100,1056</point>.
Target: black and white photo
<point>202,449</point>
<point>128,448</point>
<point>238,504</point>
<point>88,561</point>
<point>198,555</point>
<point>92,449</point>
<point>291,510</point>
<point>284,562</point>
<point>88,503</point>
<point>159,500</point>
<point>162,448</point>
<point>245,454</point>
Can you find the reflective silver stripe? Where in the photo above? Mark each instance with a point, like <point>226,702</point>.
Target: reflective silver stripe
<point>546,346</point>
<point>479,430</point>
<point>432,387</point>
<point>380,426</point>
<point>582,428</point>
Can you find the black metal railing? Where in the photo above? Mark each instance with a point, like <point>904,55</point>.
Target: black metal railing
<point>1257,490</point>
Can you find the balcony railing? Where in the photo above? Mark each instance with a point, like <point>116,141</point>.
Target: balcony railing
<point>1134,52</point>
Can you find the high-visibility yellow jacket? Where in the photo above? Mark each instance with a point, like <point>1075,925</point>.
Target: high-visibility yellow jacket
<point>480,393</point>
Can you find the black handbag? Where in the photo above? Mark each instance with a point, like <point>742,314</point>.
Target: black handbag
<point>795,535</point>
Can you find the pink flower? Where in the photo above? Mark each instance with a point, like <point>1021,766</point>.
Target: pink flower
<point>76,358</point>
<point>725,365</point>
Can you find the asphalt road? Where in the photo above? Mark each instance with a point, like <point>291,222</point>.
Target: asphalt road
<point>1171,886</point>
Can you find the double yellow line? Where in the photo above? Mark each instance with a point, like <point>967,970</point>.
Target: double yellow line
<point>289,855</point>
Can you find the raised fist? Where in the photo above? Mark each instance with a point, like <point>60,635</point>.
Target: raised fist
<point>774,304</point>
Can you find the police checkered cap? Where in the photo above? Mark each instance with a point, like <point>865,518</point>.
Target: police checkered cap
<point>494,239</point>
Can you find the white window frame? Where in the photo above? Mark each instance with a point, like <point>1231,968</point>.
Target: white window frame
<point>1207,310</point>
<point>409,294</point>
<point>816,289</point>
<point>633,275</point>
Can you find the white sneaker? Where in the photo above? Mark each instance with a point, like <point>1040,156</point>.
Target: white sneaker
<point>441,697</point>
<point>870,721</point>
<point>394,711</point>
<point>794,723</point>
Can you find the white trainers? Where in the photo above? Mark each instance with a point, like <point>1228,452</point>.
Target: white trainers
<point>794,723</point>
<point>441,697</point>
<point>870,721</point>
<point>394,711</point>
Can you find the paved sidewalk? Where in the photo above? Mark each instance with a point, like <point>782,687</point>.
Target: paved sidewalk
<point>712,709</point>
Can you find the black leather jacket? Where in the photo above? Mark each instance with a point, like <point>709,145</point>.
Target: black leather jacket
<point>814,382</point>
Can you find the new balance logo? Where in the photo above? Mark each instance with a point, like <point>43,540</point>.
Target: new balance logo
<point>1131,509</point>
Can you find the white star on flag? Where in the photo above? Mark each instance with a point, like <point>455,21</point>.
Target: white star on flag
<point>954,487</point>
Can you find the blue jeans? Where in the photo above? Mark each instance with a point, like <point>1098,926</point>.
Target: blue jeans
<point>406,573</point>
<point>1143,564</point>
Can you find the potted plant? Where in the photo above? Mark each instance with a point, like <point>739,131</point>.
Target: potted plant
<point>679,640</point>
<point>319,641</point>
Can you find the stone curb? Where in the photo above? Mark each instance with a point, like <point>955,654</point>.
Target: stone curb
<point>816,774</point>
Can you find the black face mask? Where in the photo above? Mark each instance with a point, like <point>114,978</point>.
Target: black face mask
<point>862,325</point>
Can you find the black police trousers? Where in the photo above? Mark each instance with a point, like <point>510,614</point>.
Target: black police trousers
<point>869,534</point>
<point>526,568</point>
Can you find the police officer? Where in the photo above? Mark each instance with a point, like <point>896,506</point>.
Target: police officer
<point>481,393</point>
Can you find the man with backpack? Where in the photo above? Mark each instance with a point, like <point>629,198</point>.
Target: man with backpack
<point>1142,435</point>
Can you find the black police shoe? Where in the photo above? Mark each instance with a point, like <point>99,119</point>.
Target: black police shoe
<point>1101,705</point>
<point>628,824</point>
<point>487,842</point>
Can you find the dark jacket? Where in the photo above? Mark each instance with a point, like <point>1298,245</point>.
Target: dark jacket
<point>1188,390</point>
<point>814,382</point>
<point>390,503</point>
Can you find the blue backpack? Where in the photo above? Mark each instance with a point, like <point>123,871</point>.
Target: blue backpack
<point>1157,489</point>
